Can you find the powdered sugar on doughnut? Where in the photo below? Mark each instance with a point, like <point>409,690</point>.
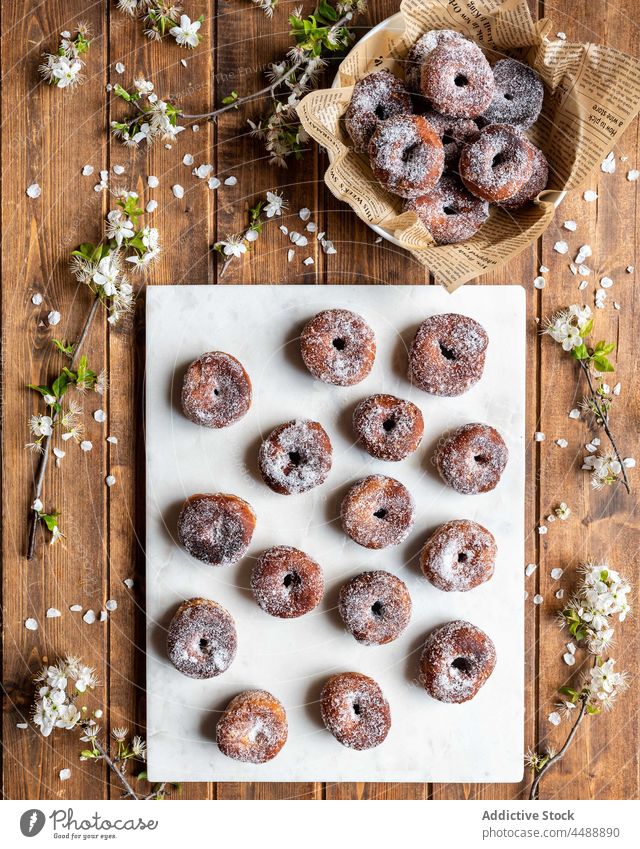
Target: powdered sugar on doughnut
<point>216,529</point>
<point>355,710</point>
<point>286,582</point>
<point>457,660</point>
<point>447,354</point>
<point>375,98</point>
<point>295,457</point>
<point>459,556</point>
<point>497,164</point>
<point>471,459</point>
<point>457,79</point>
<point>338,347</point>
<point>421,49</point>
<point>518,96</point>
<point>406,155</point>
<point>216,391</point>
<point>375,607</point>
<point>388,427</point>
<point>253,727</point>
<point>202,639</point>
<point>378,512</point>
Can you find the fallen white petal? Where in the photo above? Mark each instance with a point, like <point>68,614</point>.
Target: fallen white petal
<point>556,574</point>
<point>542,530</point>
<point>590,195</point>
<point>231,181</point>
<point>608,166</point>
<point>113,440</point>
<point>617,389</point>
<point>304,214</point>
<point>177,190</point>
<point>571,226</point>
<point>308,261</point>
<point>87,170</point>
<point>103,616</point>
<point>59,453</point>
<point>89,617</point>
<point>531,568</point>
<point>633,175</point>
<point>53,318</point>
<point>543,269</point>
<point>629,463</point>
<point>539,436</point>
<point>539,282</point>
<point>53,613</point>
<point>583,285</point>
<point>571,648</point>
<point>561,443</point>
<point>22,725</point>
<point>118,169</point>
<point>31,624</point>
<point>34,190</point>
<point>110,480</point>
<point>111,605</point>
<point>569,659</point>
<point>100,416</point>
<point>575,413</point>
<point>128,582</point>
<point>151,206</point>
<point>119,68</point>
<point>561,247</point>
<point>65,774</point>
<point>86,445</point>
<point>75,608</point>
<point>37,299</point>
<point>187,159</point>
<point>560,594</point>
<point>213,182</point>
<point>152,181</point>
<point>290,254</point>
<point>538,599</point>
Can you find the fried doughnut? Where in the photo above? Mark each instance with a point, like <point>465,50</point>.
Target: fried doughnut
<point>375,607</point>
<point>459,556</point>
<point>377,512</point>
<point>421,49</point>
<point>295,457</point>
<point>216,529</point>
<point>406,155</point>
<point>375,98</point>
<point>338,347</point>
<point>253,727</point>
<point>216,391</point>
<point>457,79</point>
<point>456,662</point>
<point>472,458</point>
<point>355,710</point>
<point>449,212</point>
<point>388,427</point>
<point>447,354</point>
<point>497,164</point>
<point>202,639</point>
<point>286,582</point>
<point>453,133</point>
<point>518,95</point>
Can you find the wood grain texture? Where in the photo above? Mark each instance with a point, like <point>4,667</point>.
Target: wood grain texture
<point>47,136</point>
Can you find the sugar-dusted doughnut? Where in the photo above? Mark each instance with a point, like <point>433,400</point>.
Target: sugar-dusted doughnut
<point>295,457</point>
<point>449,212</point>
<point>456,662</point>
<point>457,79</point>
<point>454,133</point>
<point>253,728</point>
<point>459,556</point>
<point>338,347</point>
<point>375,98</point>
<point>377,512</point>
<point>472,458</point>
<point>375,607</point>
<point>421,49</point>
<point>447,354</point>
<point>388,427</point>
<point>534,185</point>
<point>518,95</point>
<point>355,710</point>
<point>202,639</point>
<point>406,155</point>
<point>216,391</point>
<point>286,582</point>
<point>497,164</point>
<point>216,528</point>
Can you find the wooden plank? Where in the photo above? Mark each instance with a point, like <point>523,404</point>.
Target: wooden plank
<point>46,139</point>
<point>602,762</point>
<point>185,227</point>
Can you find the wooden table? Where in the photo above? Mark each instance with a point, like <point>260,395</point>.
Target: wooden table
<point>47,137</point>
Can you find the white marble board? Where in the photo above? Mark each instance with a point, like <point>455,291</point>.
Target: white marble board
<point>481,740</point>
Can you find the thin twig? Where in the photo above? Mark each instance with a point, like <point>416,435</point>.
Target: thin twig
<point>46,447</point>
<point>604,418</point>
<point>534,787</point>
<point>113,766</point>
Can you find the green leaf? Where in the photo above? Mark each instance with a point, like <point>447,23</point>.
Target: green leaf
<point>141,776</point>
<point>87,753</point>
<point>581,352</point>
<point>327,12</point>
<point>586,329</point>
<point>43,390</point>
<point>592,710</point>
<point>567,691</point>
<point>230,98</point>
<point>602,364</point>
<point>50,520</point>
<point>64,347</point>
<point>604,348</point>
<point>59,385</point>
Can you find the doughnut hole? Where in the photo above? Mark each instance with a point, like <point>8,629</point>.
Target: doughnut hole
<point>339,344</point>
<point>377,608</point>
<point>464,665</point>
<point>292,580</point>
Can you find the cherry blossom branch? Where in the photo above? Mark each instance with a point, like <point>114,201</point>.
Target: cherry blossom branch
<point>46,445</point>
<point>604,418</point>
<point>104,755</point>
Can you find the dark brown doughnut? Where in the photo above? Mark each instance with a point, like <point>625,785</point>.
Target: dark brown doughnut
<point>456,662</point>
<point>377,512</point>
<point>286,582</point>
<point>421,49</point>
<point>295,457</point>
<point>457,79</point>
<point>406,155</point>
<point>449,212</point>
<point>216,391</point>
<point>497,164</point>
<point>202,639</point>
<point>459,556</point>
<point>537,182</point>
<point>518,96</point>
<point>375,98</point>
<point>388,427</point>
<point>375,607</point>
<point>355,710</point>
<point>338,347</point>
<point>472,458</point>
<point>447,354</point>
<point>253,727</point>
<point>216,529</point>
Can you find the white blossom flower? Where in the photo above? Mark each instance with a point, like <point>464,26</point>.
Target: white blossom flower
<point>119,227</point>
<point>233,246</point>
<point>106,274</point>
<point>41,425</point>
<point>275,204</point>
<point>186,34</point>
